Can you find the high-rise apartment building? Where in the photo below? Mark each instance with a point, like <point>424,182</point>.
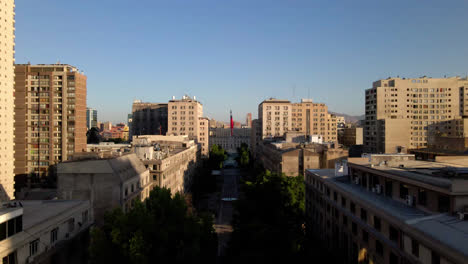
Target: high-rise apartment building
<point>399,111</point>
<point>248,121</point>
<point>149,118</point>
<point>50,119</point>
<point>185,117</point>
<point>7,60</point>
<point>91,118</point>
<point>280,116</point>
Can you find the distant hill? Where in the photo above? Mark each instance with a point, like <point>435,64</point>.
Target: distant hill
<point>350,118</point>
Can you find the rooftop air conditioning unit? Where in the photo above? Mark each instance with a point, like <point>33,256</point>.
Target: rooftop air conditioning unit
<point>409,200</point>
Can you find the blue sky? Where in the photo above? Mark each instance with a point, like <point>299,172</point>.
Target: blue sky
<point>234,54</point>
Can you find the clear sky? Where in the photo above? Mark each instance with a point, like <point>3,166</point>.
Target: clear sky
<point>234,54</point>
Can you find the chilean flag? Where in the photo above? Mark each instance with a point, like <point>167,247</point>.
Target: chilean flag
<point>232,123</point>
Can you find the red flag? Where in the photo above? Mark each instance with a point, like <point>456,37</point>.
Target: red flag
<point>232,123</point>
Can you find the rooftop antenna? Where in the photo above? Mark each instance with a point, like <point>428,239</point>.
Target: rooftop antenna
<point>308,93</point>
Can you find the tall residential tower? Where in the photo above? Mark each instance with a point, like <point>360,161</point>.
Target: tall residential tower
<point>50,119</point>
<point>7,61</point>
<point>401,113</point>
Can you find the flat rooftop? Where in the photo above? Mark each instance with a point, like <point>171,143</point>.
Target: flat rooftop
<point>443,228</point>
<point>439,174</point>
<point>36,212</point>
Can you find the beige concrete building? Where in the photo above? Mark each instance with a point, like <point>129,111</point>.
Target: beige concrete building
<point>292,159</point>
<point>204,135</point>
<point>391,209</point>
<point>39,231</point>
<point>399,111</point>
<point>50,116</point>
<point>106,183</point>
<point>171,160</point>
<point>185,117</point>
<point>222,137</point>
<point>148,118</point>
<point>351,135</point>
<point>280,116</point>
<point>7,106</point>
<point>275,117</point>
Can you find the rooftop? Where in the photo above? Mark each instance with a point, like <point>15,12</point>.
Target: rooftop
<point>439,174</point>
<point>35,212</point>
<point>443,228</point>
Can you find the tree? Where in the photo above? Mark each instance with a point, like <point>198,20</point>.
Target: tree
<point>217,157</point>
<point>243,157</point>
<point>158,230</point>
<point>269,220</point>
<point>93,136</point>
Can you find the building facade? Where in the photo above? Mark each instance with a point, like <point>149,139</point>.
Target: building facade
<point>350,136</point>
<point>293,159</point>
<point>38,231</point>
<point>399,111</point>
<point>390,209</point>
<point>50,119</point>
<point>248,120</point>
<point>280,116</point>
<point>148,118</point>
<point>185,117</point>
<point>7,94</point>
<point>171,160</point>
<point>107,183</point>
<point>91,118</point>
<point>222,137</point>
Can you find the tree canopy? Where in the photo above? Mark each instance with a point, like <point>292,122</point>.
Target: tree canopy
<point>243,158</point>
<point>217,157</point>
<point>157,230</point>
<point>269,219</point>
<point>93,136</point>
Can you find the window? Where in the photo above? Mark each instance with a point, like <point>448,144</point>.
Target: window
<point>71,224</point>
<point>365,236</point>
<point>53,235</point>
<point>343,201</point>
<point>363,214</point>
<point>422,197</point>
<point>11,227</point>
<point>354,228</point>
<point>435,258</point>
<point>444,203</point>
<point>403,191</point>
<point>388,188</point>
<point>3,231</point>
<point>393,234</point>
<point>10,259</point>
<point>335,196</point>
<point>345,220</point>
<point>353,208</point>
<point>415,247</point>
<point>33,247</point>
<point>377,224</point>
<point>379,247</point>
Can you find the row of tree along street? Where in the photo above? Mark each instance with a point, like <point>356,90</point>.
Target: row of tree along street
<point>162,228</point>
<point>269,222</point>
